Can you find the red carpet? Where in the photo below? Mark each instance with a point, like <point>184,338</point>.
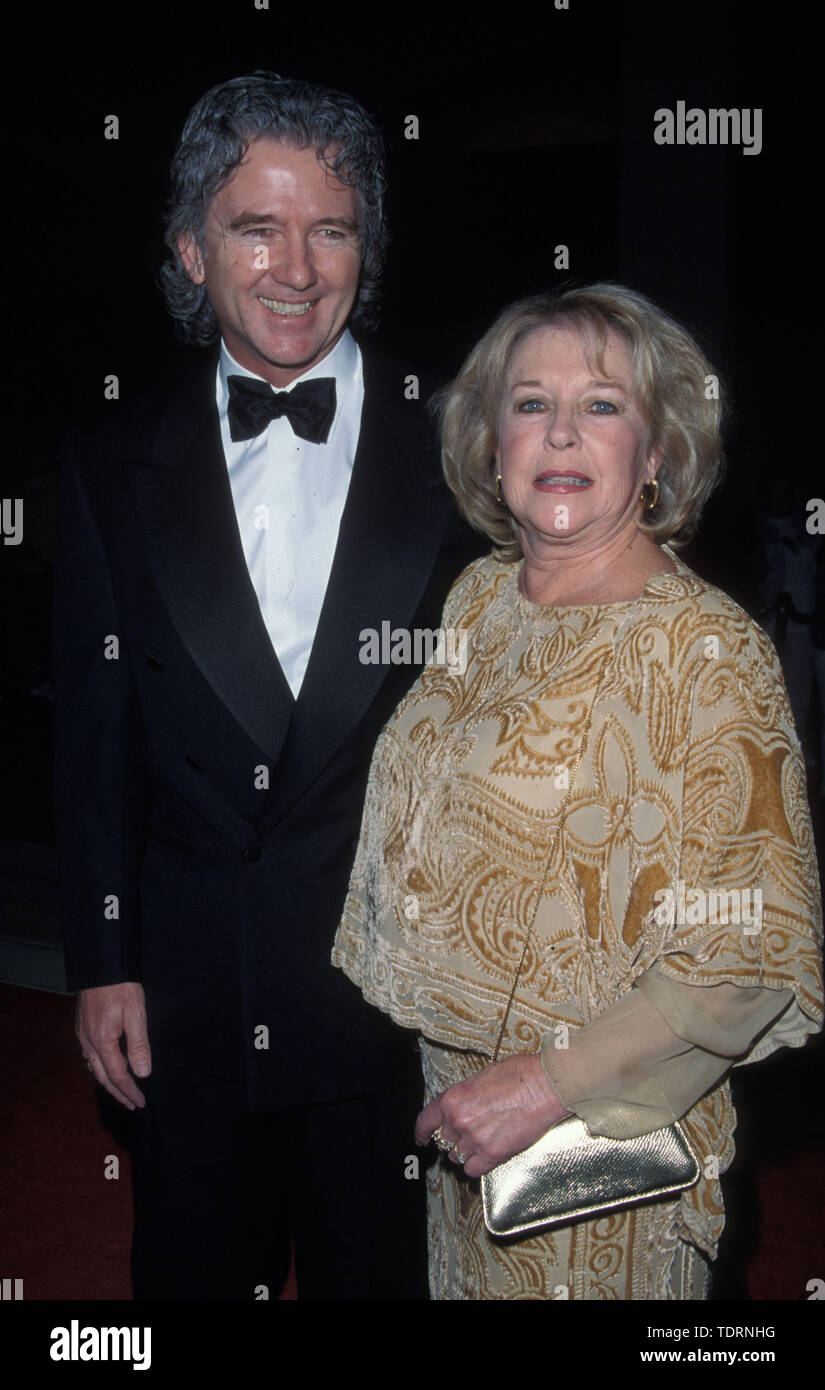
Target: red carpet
<point>65,1228</point>
<point>63,1225</point>
<point>791,1248</point>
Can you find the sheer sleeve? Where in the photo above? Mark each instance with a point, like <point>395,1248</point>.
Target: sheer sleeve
<point>650,1057</point>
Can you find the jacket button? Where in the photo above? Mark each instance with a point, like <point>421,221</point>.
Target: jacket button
<point>252,855</point>
<point>153,663</point>
<point>194,762</point>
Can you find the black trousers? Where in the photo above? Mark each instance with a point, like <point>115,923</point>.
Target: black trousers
<point>222,1195</point>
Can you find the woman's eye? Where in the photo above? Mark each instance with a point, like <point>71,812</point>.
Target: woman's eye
<point>530,406</point>
<point>603,408</point>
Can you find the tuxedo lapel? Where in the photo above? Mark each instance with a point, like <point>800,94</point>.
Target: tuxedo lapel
<point>184,502</point>
<point>391,530</point>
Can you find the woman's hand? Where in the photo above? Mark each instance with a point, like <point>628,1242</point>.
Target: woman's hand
<point>497,1113</point>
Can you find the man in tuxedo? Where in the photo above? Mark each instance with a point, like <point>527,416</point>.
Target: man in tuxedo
<point>224,545</point>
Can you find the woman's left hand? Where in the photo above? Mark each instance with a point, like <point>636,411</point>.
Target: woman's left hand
<point>499,1112</point>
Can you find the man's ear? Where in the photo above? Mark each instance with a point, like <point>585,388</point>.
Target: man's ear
<point>192,257</point>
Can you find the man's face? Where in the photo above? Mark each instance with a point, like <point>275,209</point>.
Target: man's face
<point>281,260</point>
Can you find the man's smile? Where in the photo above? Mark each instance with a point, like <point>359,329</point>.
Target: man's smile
<point>284,306</point>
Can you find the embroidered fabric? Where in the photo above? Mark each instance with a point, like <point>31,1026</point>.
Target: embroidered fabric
<point>686,858</point>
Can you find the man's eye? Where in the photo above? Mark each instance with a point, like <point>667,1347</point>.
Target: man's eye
<point>604,408</point>
<point>333,234</point>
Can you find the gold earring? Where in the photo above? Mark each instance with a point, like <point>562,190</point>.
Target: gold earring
<point>649,502</point>
<point>499,497</point>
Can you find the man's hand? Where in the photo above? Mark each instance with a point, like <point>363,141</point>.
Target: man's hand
<point>102,1016</point>
<point>499,1112</point>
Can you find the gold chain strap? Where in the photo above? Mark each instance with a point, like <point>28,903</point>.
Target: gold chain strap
<point>552,854</point>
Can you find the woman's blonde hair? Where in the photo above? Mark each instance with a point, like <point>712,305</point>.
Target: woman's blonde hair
<point>677,391</point>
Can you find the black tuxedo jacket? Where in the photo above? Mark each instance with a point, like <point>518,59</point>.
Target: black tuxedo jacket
<point>206,820</point>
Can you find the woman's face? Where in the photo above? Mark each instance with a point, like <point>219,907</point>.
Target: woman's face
<point>573,448</point>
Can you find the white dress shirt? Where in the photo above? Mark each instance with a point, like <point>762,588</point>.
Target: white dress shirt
<point>289,497</point>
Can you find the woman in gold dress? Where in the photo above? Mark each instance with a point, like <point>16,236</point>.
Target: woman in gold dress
<point>613,754</point>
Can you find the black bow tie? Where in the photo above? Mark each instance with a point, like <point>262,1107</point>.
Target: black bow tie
<point>309,407</point>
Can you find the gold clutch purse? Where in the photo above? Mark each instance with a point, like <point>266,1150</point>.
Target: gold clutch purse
<point>569,1173</point>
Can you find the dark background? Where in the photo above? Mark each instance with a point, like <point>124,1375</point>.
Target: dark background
<point>536,128</point>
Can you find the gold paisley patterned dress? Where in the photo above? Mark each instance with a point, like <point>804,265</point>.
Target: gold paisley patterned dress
<point>690,784</point>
